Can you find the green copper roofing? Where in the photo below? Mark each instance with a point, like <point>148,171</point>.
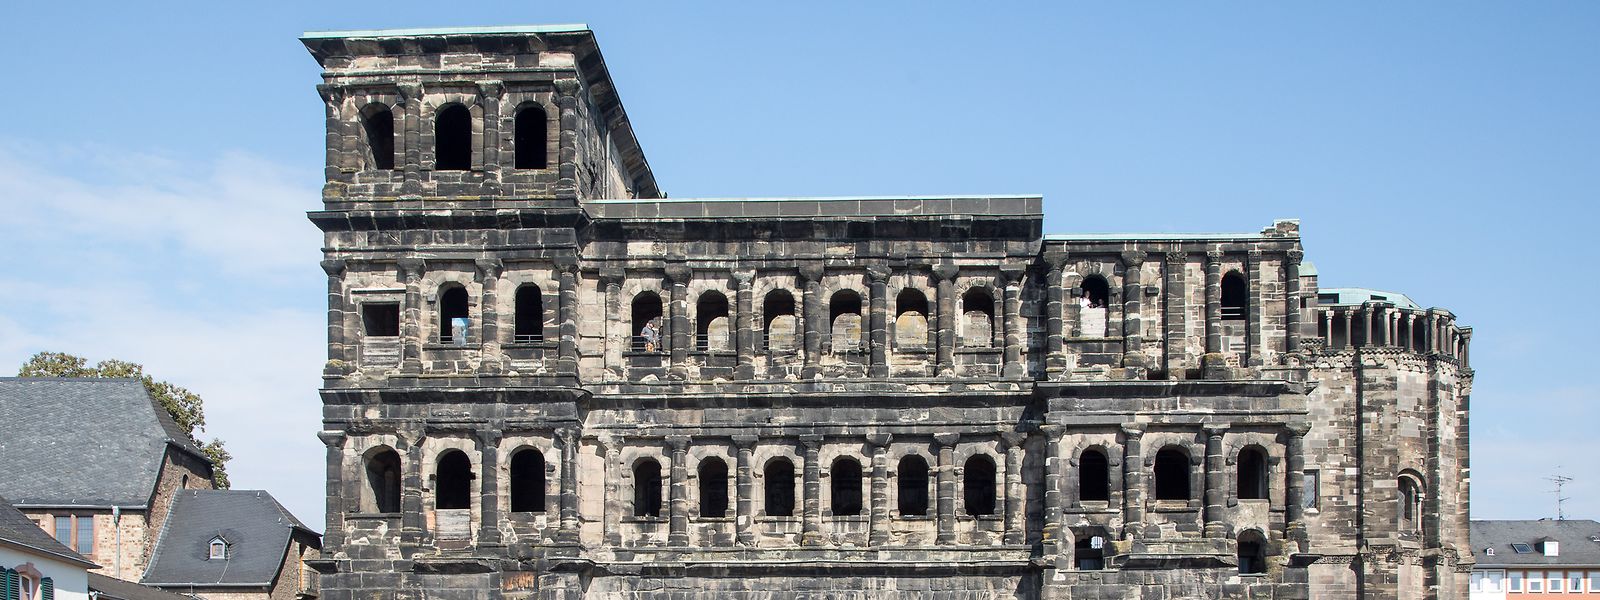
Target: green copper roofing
<point>1359,296</point>
<point>1146,237</point>
<point>438,31</point>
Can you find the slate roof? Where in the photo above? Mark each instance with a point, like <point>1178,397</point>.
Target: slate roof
<point>1359,296</point>
<point>1579,543</point>
<point>256,528</point>
<point>19,531</point>
<point>83,441</point>
<point>111,588</point>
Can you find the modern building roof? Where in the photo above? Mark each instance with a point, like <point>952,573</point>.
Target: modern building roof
<point>1359,296</point>
<point>18,531</point>
<point>111,588</point>
<point>256,529</point>
<point>84,441</point>
<point>1578,543</point>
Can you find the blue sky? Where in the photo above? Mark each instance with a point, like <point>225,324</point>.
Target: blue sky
<point>155,165</point>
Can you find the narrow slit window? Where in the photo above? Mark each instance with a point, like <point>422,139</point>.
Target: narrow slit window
<point>1235,296</point>
<point>529,315</point>
<point>527,481</point>
<point>713,478</point>
<point>532,138</point>
<point>778,487</point>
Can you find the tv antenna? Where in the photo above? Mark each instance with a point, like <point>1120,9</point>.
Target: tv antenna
<point>1560,480</point>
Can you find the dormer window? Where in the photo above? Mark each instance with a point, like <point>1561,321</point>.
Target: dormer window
<point>1488,551</point>
<point>219,549</point>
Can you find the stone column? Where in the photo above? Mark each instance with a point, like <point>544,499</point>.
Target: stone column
<point>335,161</point>
<point>1132,323</point>
<point>1433,331</point>
<point>1053,490</point>
<point>568,438</point>
<point>678,328</point>
<point>1466,348</point>
<point>1252,323</point>
<point>1176,295</point>
<point>811,305</point>
<point>878,278</point>
<point>1291,300</point>
<point>744,324</point>
<point>947,487</point>
<point>338,358</point>
<point>411,135</point>
<point>745,486</point>
<point>567,312</point>
<point>489,487</point>
<point>333,540</point>
<point>1213,302</point>
<point>1294,509</point>
<point>611,449</point>
<point>1366,324</point>
<point>1055,303</point>
<point>1393,338</point>
<point>879,531</point>
<point>489,314</point>
<point>811,532</point>
<point>1216,482</point>
<point>616,330</point>
<point>1072,294</point>
<point>566,159</point>
<point>949,318</point>
<point>678,507</point>
<point>411,321</point>
<point>1326,316</point>
<point>1349,327</point>
<point>1011,274</point>
<point>412,525</point>
<point>1403,331</point>
<point>489,93</point>
<point>1015,496</point>
<point>1132,482</point>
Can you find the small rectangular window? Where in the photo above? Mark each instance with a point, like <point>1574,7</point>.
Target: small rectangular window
<point>1535,581</point>
<point>85,534</point>
<point>1556,582</point>
<point>380,320</point>
<point>64,529</point>
<point>1514,581</point>
<point>1495,582</point>
<point>1311,489</point>
<point>1594,582</point>
<point>1575,581</point>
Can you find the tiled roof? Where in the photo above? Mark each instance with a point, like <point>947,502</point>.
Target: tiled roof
<point>83,441</point>
<point>18,531</point>
<point>1579,543</point>
<point>110,588</point>
<point>1359,296</point>
<point>256,528</point>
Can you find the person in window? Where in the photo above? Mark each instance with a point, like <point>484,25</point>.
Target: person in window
<point>651,334</point>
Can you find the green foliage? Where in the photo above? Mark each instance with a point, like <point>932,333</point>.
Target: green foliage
<point>186,407</point>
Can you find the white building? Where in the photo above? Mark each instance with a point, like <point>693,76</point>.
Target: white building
<point>34,566</point>
<point>1535,559</point>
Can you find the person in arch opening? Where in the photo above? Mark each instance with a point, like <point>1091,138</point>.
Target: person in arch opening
<point>651,334</point>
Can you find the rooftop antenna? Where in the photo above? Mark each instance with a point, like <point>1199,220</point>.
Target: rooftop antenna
<point>1559,480</point>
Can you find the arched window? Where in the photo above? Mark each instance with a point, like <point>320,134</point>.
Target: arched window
<point>711,322</point>
<point>1172,474</point>
<point>977,487</point>
<point>911,319</point>
<point>1096,292</point>
<point>453,323</point>
<point>382,492</point>
<point>778,324</point>
<point>1410,509</point>
<point>1252,553</point>
<point>647,333</point>
<point>844,482</point>
<point>1093,306</point>
<point>778,485</point>
<point>1094,476</point>
<point>377,123</point>
<point>647,488</point>
<point>1252,475</point>
<point>527,481</point>
<point>977,318</point>
<point>452,138</point>
<point>1089,553</point>
<point>911,486</point>
<point>844,312</point>
<point>453,481</point>
<point>531,138</point>
<point>713,488</point>
<point>530,314</point>
<point>1235,296</point>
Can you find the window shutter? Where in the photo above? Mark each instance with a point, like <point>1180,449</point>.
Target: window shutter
<point>9,585</point>
<point>47,589</point>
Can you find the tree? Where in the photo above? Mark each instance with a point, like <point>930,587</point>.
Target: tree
<point>186,407</point>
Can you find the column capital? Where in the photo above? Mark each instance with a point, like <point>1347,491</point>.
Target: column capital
<point>1254,254</point>
<point>811,441</point>
<point>1132,431</point>
<point>333,268</point>
<point>1011,272</point>
<point>1294,255</point>
<point>745,441</point>
<point>409,91</point>
<point>811,271</point>
<point>613,275</point>
<point>947,438</point>
<point>489,268</point>
<point>1055,259</point>
<point>678,273</point>
<point>1133,259</point>
<point>1299,429</point>
<point>565,436</point>
<point>566,263</point>
<point>1014,439</point>
<point>568,86</point>
<point>678,443</point>
<point>1177,257</point>
<point>742,278</point>
<point>878,273</point>
<point>1213,257</point>
<point>1215,430</point>
<point>411,268</point>
<point>491,88</point>
<point>1052,432</point>
<point>489,437</point>
<point>331,438</point>
<point>945,271</point>
<point>331,94</point>
<point>879,440</point>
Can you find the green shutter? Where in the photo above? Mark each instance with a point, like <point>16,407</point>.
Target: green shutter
<point>9,588</point>
<point>47,589</point>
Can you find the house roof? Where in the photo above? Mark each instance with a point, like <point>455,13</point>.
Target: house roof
<point>45,427</point>
<point>111,588</point>
<point>19,531</point>
<point>1358,296</point>
<point>1579,543</point>
<point>256,528</point>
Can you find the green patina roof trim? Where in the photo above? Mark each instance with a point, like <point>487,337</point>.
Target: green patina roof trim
<point>1147,237</point>
<point>438,31</point>
<point>812,199</point>
<point>1359,296</point>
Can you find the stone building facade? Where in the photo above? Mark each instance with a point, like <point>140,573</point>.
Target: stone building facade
<point>547,380</point>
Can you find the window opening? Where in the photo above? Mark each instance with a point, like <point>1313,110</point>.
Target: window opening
<point>527,481</point>
<point>911,319</point>
<point>1089,553</point>
<point>978,483</point>
<point>380,320</point>
<point>845,484</point>
<point>778,325</point>
<point>529,315</point>
<point>453,321</point>
<point>1172,475</point>
<point>1235,296</point>
<point>711,322</point>
<point>647,332</point>
<point>911,486</point>
<point>1094,476</point>
<point>647,488</point>
<point>1520,548</point>
<point>452,137</point>
<point>778,482</point>
<point>219,549</point>
<point>844,313</point>
<point>713,488</point>
<point>1410,504</point>
<point>1093,306</point>
<point>383,483</point>
<point>1252,474</point>
<point>453,481</point>
<point>377,122</point>
<point>531,138</point>
<point>977,314</point>
<point>1252,553</point>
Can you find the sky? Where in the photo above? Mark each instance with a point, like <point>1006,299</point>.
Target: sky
<point>156,164</point>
